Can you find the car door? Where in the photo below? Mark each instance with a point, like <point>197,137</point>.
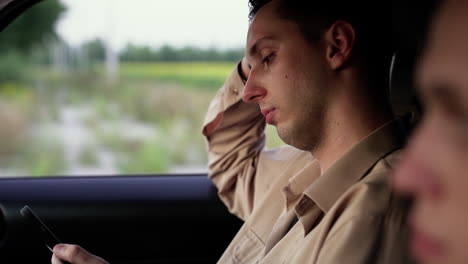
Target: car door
<point>144,219</point>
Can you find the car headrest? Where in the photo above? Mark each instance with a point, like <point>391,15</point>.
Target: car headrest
<point>403,95</point>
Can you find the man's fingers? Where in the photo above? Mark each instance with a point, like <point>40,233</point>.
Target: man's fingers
<point>56,260</point>
<point>76,255</point>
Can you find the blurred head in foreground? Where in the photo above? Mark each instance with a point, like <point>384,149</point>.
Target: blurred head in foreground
<point>434,168</point>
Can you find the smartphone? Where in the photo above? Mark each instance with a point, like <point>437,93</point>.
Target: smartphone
<point>33,221</point>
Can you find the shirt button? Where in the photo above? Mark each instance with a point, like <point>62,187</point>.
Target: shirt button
<point>235,91</point>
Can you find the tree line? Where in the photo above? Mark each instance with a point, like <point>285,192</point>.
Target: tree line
<point>32,38</point>
<point>95,50</point>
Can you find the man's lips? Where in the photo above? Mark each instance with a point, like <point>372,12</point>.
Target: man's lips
<point>268,114</point>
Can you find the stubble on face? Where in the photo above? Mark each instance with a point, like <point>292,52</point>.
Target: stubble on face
<point>300,96</point>
<point>309,103</point>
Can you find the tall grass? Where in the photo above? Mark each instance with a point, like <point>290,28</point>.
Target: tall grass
<point>209,76</point>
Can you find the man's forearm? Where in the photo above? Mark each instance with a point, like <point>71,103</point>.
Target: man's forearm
<point>235,138</point>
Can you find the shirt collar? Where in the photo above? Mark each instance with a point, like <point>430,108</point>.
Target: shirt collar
<point>354,165</point>
<point>297,184</point>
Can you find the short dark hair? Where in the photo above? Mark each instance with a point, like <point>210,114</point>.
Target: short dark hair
<point>370,19</point>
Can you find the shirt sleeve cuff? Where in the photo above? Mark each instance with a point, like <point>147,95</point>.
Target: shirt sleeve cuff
<point>228,95</point>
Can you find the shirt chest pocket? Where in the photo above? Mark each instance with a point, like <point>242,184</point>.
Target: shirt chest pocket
<point>249,249</point>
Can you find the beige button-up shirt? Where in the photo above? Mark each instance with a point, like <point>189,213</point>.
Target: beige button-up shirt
<point>292,213</point>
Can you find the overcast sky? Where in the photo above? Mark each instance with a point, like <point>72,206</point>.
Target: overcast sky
<point>202,23</point>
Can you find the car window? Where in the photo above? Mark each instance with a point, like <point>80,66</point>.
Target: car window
<point>114,87</point>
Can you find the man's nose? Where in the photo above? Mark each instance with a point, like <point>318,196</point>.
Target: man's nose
<point>253,92</point>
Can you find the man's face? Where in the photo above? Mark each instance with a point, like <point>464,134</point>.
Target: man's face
<point>287,78</point>
<point>434,168</point>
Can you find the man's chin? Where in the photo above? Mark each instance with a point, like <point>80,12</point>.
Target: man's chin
<point>288,137</point>
<point>283,134</point>
<point>303,141</point>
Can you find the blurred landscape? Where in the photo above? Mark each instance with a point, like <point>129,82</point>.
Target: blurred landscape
<point>90,110</point>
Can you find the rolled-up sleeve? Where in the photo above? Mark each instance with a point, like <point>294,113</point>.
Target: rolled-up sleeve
<point>234,132</point>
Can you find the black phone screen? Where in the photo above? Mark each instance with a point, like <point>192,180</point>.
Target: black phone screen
<point>33,221</point>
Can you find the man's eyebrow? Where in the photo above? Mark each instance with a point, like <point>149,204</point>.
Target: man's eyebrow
<point>254,49</point>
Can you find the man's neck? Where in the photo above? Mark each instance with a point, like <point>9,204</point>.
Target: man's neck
<point>348,119</point>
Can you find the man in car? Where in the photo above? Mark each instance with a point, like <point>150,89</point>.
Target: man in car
<point>434,168</point>
<point>320,79</point>
<point>317,71</point>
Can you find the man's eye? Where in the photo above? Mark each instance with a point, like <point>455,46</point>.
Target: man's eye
<point>268,58</point>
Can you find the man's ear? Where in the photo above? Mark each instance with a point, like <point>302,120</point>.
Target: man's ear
<point>339,40</point>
